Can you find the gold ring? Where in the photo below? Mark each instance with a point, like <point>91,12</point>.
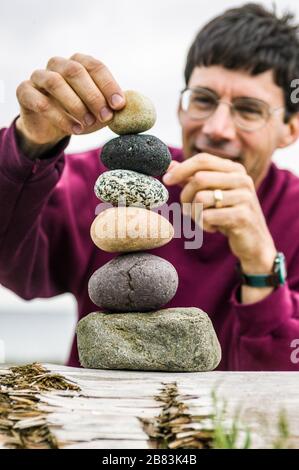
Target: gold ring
<point>218,198</point>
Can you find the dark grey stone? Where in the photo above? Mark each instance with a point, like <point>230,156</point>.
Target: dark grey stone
<point>143,153</point>
<point>133,282</point>
<point>172,340</point>
<point>126,187</point>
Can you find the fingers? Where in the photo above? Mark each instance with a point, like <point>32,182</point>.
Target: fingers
<point>55,85</point>
<point>93,83</point>
<point>226,217</point>
<point>201,162</point>
<point>74,76</point>
<point>76,95</point>
<point>30,98</point>
<point>230,198</point>
<point>104,80</point>
<point>33,100</point>
<point>83,87</point>
<point>207,180</point>
<point>214,220</point>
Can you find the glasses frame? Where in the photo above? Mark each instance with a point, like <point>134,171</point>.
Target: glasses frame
<point>270,111</point>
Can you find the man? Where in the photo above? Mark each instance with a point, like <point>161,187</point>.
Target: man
<point>235,111</point>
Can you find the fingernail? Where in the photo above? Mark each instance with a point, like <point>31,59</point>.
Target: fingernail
<point>77,129</point>
<point>89,119</point>
<point>167,177</point>
<point>106,114</point>
<point>116,99</point>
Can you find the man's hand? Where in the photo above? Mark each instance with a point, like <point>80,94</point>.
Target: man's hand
<point>71,96</point>
<point>240,218</point>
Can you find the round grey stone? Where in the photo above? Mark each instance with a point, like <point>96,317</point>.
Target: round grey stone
<point>170,340</point>
<point>128,187</point>
<point>133,282</point>
<point>142,153</point>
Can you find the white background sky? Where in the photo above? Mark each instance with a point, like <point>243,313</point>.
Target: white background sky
<point>144,43</point>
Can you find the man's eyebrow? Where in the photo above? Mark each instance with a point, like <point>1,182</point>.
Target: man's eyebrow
<point>254,98</point>
<point>210,90</point>
<point>198,88</point>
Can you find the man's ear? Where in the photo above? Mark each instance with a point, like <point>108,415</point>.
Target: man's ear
<point>290,132</point>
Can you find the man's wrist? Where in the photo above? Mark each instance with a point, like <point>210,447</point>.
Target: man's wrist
<point>262,264</point>
<point>257,285</point>
<point>30,148</point>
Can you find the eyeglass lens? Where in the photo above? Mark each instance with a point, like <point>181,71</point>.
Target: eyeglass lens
<point>248,113</point>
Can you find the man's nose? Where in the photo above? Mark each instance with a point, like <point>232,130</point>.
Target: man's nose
<point>220,125</point>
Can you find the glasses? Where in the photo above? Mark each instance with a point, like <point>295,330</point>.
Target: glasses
<point>249,114</point>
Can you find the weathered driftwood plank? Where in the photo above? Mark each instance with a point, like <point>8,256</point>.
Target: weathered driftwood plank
<point>110,444</point>
<point>105,414</point>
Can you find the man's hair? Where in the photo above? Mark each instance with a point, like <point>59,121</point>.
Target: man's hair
<point>253,39</point>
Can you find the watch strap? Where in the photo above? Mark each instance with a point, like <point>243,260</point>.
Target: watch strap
<point>274,279</point>
<point>260,280</point>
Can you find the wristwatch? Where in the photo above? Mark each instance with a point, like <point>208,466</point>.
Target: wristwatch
<point>275,279</point>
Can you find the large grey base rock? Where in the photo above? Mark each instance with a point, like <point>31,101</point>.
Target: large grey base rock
<point>173,340</point>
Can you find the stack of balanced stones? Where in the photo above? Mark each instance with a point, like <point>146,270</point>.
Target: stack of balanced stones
<point>133,331</point>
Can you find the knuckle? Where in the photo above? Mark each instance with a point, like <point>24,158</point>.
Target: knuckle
<point>72,69</point>
<point>35,74</point>
<point>95,100</point>
<point>107,84</point>
<point>53,81</point>
<point>78,108</point>
<point>199,178</point>
<point>62,122</point>
<point>206,216</point>
<point>96,66</point>
<point>22,88</point>
<point>77,56</point>
<point>54,62</point>
<point>201,157</point>
<point>90,63</point>
<point>246,195</point>
<point>240,167</point>
<point>199,197</point>
<point>248,181</point>
<point>241,216</point>
<point>42,106</point>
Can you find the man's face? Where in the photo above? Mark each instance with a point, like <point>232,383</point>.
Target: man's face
<point>218,133</point>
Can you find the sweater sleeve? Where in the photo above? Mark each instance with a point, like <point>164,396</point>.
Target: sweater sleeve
<point>26,249</point>
<point>267,332</point>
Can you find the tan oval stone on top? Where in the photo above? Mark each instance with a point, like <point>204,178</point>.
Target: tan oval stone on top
<point>138,115</point>
<point>125,229</point>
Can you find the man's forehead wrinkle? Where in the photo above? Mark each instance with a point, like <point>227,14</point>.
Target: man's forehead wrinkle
<point>231,84</point>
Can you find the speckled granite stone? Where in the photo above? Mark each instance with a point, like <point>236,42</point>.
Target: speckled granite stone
<point>134,189</point>
<point>170,340</point>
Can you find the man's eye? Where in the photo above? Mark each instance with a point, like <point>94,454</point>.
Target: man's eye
<point>249,112</point>
<point>202,100</point>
